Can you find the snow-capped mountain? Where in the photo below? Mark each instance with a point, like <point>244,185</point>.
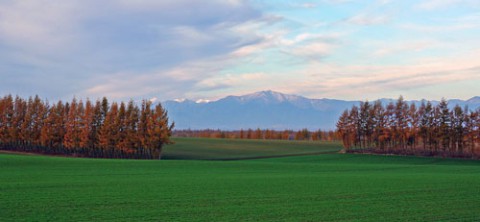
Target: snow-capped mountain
<point>268,109</point>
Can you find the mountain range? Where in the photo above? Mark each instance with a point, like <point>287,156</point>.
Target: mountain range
<point>270,110</point>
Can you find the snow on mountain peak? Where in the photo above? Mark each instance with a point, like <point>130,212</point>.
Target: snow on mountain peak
<point>154,99</point>
<point>202,101</point>
<point>270,96</point>
<point>180,100</point>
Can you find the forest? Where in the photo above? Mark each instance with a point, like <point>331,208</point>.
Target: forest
<point>260,134</point>
<point>86,129</point>
<point>403,128</point>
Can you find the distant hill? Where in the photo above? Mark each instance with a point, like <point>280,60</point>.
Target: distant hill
<point>268,109</point>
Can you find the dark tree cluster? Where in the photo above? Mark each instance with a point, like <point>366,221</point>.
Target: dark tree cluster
<point>87,129</point>
<point>402,128</point>
<point>260,134</point>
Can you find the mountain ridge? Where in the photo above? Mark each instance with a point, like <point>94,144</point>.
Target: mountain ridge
<point>272,110</point>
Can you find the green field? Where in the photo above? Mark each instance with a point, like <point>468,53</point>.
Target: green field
<point>324,187</point>
<point>230,149</point>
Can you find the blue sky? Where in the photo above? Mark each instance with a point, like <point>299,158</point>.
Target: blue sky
<point>342,49</point>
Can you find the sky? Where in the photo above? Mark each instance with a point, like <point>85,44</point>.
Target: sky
<point>164,50</point>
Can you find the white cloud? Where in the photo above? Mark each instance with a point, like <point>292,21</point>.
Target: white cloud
<point>313,50</point>
<point>312,47</point>
<point>366,19</point>
<point>338,1</point>
<point>337,81</point>
<point>188,35</point>
<point>123,48</point>
<point>41,27</point>
<point>442,4</point>
<point>231,80</point>
<point>179,5</point>
<point>384,2</point>
<point>308,5</point>
<point>186,48</point>
<point>440,28</point>
<point>395,48</point>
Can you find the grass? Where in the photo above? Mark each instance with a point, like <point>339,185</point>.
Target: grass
<point>234,149</point>
<point>327,187</point>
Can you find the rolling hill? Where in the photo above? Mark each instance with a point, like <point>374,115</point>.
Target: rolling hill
<point>327,187</point>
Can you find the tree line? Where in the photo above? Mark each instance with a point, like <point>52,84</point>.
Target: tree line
<point>402,128</point>
<point>260,134</point>
<point>87,129</point>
